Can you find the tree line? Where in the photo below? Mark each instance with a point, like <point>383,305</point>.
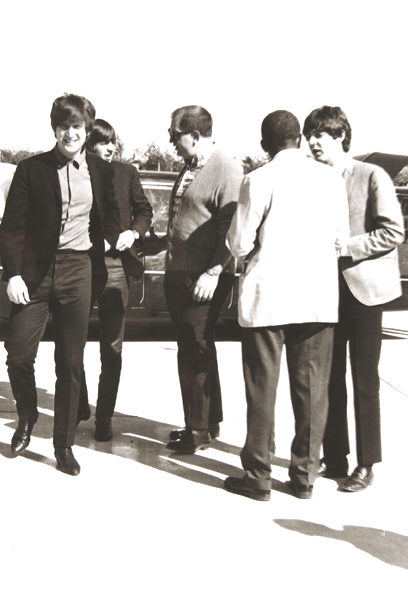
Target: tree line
<point>152,158</point>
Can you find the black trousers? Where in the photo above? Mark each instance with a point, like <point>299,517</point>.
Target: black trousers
<point>112,304</point>
<point>361,326</point>
<point>308,355</point>
<point>66,293</point>
<point>197,356</point>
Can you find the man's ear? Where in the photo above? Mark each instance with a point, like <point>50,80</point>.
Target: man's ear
<point>263,145</point>
<point>196,135</point>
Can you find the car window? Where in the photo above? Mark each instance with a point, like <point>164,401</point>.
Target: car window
<point>157,187</point>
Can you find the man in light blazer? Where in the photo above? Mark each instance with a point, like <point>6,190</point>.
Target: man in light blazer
<point>288,232</point>
<point>368,277</point>
<point>60,218</point>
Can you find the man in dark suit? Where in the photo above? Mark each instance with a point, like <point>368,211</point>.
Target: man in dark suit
<point>60,218</point>
<point>369,277</point>
<point>121,262</point>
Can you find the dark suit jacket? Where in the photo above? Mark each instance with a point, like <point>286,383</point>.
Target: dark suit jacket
<point>30,230</point>
<point>135,213</point>
<point>376,229</point>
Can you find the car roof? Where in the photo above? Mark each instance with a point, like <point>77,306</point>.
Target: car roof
<point>392,164</point>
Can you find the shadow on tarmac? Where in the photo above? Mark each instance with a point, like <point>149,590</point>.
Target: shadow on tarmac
<point>388,547</point>
<point>144,441</point>
<point>135,438</point>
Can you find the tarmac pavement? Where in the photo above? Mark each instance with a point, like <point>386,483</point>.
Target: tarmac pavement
<point>139,520</point>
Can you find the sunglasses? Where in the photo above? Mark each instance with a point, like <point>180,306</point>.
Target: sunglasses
<point>176,136</point>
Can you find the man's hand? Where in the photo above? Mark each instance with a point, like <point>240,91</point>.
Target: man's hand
<point>125,240</point>
<point>152,244</point>
<point>17,290</point>
<point>204,288</point>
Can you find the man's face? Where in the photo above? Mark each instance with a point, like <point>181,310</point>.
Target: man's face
<point>70,138</point>
<point>182,141</point>
<point>324,148</point>
<point>105,150</point>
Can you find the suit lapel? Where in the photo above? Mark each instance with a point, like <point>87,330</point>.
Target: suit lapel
<point>95,180</point>
<point>351,178</point>
<point>51,167</point>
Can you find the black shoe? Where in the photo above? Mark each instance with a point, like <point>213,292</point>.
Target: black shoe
<point>103,430</point>
<point>213,429</point>
<point>83,415</point>
<point>302,491</point>
<point>66,461</point>
<point>177,433</point>
<point>191,441</point>
<point>241,486</point>
<point>333,471</point>
<point>21,438</point>
<point>359,480</point>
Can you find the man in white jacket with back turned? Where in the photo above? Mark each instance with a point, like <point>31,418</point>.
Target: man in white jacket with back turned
<point>290,223</point>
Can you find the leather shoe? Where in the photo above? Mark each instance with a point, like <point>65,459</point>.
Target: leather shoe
<point>191,441</point>
<point>66,461</point>
<point>83,415</point>
<point>21,438</point>
<point>213,429</point>
<point>359,480</point>
<point>302,491</point>
<point>241,486</point>
<point>330,471</point>
<point>103,430</point>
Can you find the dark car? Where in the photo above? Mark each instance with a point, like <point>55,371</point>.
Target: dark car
<point>147,316</point>
<point>394,164</point>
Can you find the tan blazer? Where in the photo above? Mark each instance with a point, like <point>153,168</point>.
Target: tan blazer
<point>376,229</point>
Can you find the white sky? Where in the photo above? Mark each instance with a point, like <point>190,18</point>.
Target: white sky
<point>138,61</point>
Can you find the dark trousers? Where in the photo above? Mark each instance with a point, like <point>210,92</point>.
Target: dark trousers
<point>112,304</point>
<point>361,326</point>
<point>308,355</point>
<point>66,293</point>
<point>197,356</point>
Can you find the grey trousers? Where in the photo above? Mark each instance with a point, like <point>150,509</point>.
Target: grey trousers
<point>308,354</point>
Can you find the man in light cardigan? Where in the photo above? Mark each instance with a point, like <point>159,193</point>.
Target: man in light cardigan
<point>199,269</point>
<point>291,220</point>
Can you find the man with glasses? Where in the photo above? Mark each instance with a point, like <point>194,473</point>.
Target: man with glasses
<point>199,269</point>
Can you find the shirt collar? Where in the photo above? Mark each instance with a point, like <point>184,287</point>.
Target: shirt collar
<point>344,165</point>
<point>62,159</point>
<point>203,155</point>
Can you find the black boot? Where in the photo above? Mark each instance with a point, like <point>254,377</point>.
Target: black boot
<point>21,438</point>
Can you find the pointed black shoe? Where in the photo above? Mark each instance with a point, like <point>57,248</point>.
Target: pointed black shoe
<point>359,480</point>
<point>22,436</point>
<point>66,461</point>
<point>213,429</point>
<point>241,486</point>
<point>302,491</point>
<point>190,442</point>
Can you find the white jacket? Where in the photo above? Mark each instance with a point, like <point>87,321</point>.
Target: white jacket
<point>291,215</point>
